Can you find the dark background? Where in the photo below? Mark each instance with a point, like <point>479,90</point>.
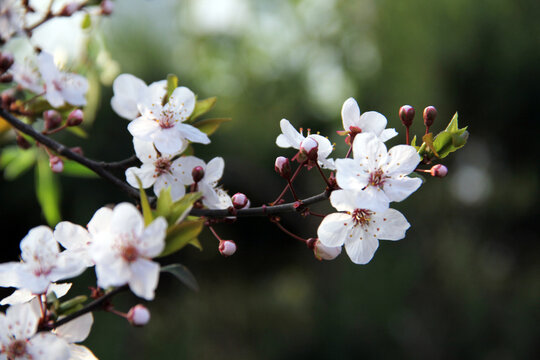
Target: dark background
<point>464,283</point>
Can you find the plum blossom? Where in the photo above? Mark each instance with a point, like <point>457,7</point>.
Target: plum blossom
<point>164,124</point>
<point>19,340</point>
<point>130,91</point>
<point>11,19</point>
<point>368,122</point>
<point>212,197</point>
<point>23,295</point>
<point>323,252</point>
<point>26,74</point>
<point>42,263</point>
<point>76,331</point>
<point>75,239</point>
<point>378,176</point>
<point>61,87</point>
<point>122,249</point>
<point>160,171</point>
<point>358,228</point>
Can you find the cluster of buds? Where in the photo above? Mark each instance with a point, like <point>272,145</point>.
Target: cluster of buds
<point>406,115</point>
<point>53,119</point>
<point>6,60</point>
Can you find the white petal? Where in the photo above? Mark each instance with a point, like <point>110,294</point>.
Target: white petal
<point>76,330</point>
<point>326,252</point>
<point>100,222</point>
<point>210,197</point>
<point>44,346</point>
<point>22,321</point>
<point>8,274</point>
<point>369,151</point>
<point>372,122</point>
<point>387,134</point>
<point>144,279</point>
<point>79,352</point>
<point>350,114</point>
<point>214,170</point>
<point>398,189</point>
<point>343,200</point>
<point>59,289</point>
<point>182,100</point>
<point>145,173</point>
<point>113,271</point>
<point>372,198</point>
<point>145,150</point>
<point>68,265</point>
<point>127,88</point>
<point>71,236</point>
<point>361,250</point>
<point>325,147</point>
<point>402,159</point>
<point>46,66</point>
<point>170,181</point>
<point>334,228</point>
<point>39,245</point>
<point>75,88</point>
<point>192,133</point>
<point>392,224</point>
<point>18,297</point>
<point>126,219</point>
<point>170,141</point>
<point>143,128</point>
<point>283,141</point>
<point>350,175</point>
<point>184,166</point>
<point>53,96</point>
<point>152,241</point>
<point>294,138</point>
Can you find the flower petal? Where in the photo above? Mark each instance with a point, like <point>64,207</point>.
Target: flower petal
<point>343,200</point>
<point>372,198</point>
<point>170,181</point>
<point>22,321</point>
<point>398,189</point>
<point>144,278</point>
<point>350,114</point>
<point>79,352</point>
<point>214,170</point>
<point>372,122</point>
<point>294,138</point>
<point>145,173</point>
<point>182,101</point>
<point>126,219</point>
<point>76,330</point>
<point>334,228</point>
<point>100,221</point>
<point>71,236</point>
<point>45,345</point>
<point>387,134</point>
<point>351,175</point>
<point>127,89</point>
<point>361,250</point>
<point>369,151</point>
<point>152,241</point>
<point>192,133</point>
<point>143,128</point>
<point>402,160</point>
<point>145,150</point>
<point>393,225</point>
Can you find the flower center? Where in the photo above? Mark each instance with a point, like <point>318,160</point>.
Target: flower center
<point>16,349</point>
<point>167,120</point>
<point>163,166</point>
<point>377,178</point>
<point>130,253</point>
<point>361,217</point>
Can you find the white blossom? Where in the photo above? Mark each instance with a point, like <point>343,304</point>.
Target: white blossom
<point>290,137</point>
<point>75,239</point>
<point>164,124</point>
<point>323,252</point>
<point>61,87</point>
<point>368,122</point>
<point>21,296</point>
<point>161,171</point>
<point>122,249</point>
<point>19,340</point>
<point>42,263</point>
<point>130,91</point>
<point>358,228</point>
<point>378,176</point>
<point>27,75</point>
<point>76,331</point>
<point>11,18</point>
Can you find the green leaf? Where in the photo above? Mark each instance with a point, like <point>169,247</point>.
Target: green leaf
<point>209,126</point>
<point>164,203</point>
<point>47,191</point>
<point>78,131</point>
<point>86,22</point>
<point>428,140</point>
<point>202,107</point>
<point>145,205</point>
<point>181,208</point>
<point>73,168</point>
<point>413,142</point>
<point>71,303</point>
<point>183,274</point>
<point>453,124</point>
<point>196,243</point>
<point>17,166</point>
<point>179,235</point>
<point>8,155</point>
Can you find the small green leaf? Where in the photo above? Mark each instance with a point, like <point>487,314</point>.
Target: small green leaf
<point>183,274</point>
<point>196,243</point>
<point>413,142</point>
<point>8,155</point>
<point>179,235</point>
<point>453,124</point>
<point>145,205</point>
<point>181,208</point>
<point>78,131</point>
<point>202,107</point>
<point>71,303</point>
<point>47,191</point>
<point>73,168</point>
<point>86,22</point>
<point>24,160</point>
<point>428,140</point>
<point>164,203</point>
<point>209,126</point>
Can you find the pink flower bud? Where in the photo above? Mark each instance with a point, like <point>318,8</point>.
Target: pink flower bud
<point>75,118</point>
<point>107,7</point>
<point>309,147</point>
<point>283,167</point>
<point>240,201</point>
<point>439,170</point>
<point>138,315</point>
<point>69,9</point>
<point>6,60</point>
<point>430,113</point>
<point>406,115</point>
<point>197,173</point>
<point>52,118</point>
<point>56,164</point>
<point>323,252</point>
<point>227,247</point>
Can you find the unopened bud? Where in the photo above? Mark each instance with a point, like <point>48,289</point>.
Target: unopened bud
<point>6,60</point>
<point>240,201</point>
<point>22,142</point>
<point>107,7</point>
<point>77,150</point>
<point>138,315</point>
<point>52,118</point>
<point>283,167</point>
<point>406,115</point>
<point>197,173</point>
<point>430,113</point>
<point>227,247</point>
<point>75,118</point>
<point>439,170</point>
<point>56,164</point>
<point>321,251</point>
<point>309,147</point>
<point>6,78</point>
<point>69,9</point>
<point>7,98</point>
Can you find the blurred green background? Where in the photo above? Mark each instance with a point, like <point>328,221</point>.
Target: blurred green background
<point>464,283</point>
